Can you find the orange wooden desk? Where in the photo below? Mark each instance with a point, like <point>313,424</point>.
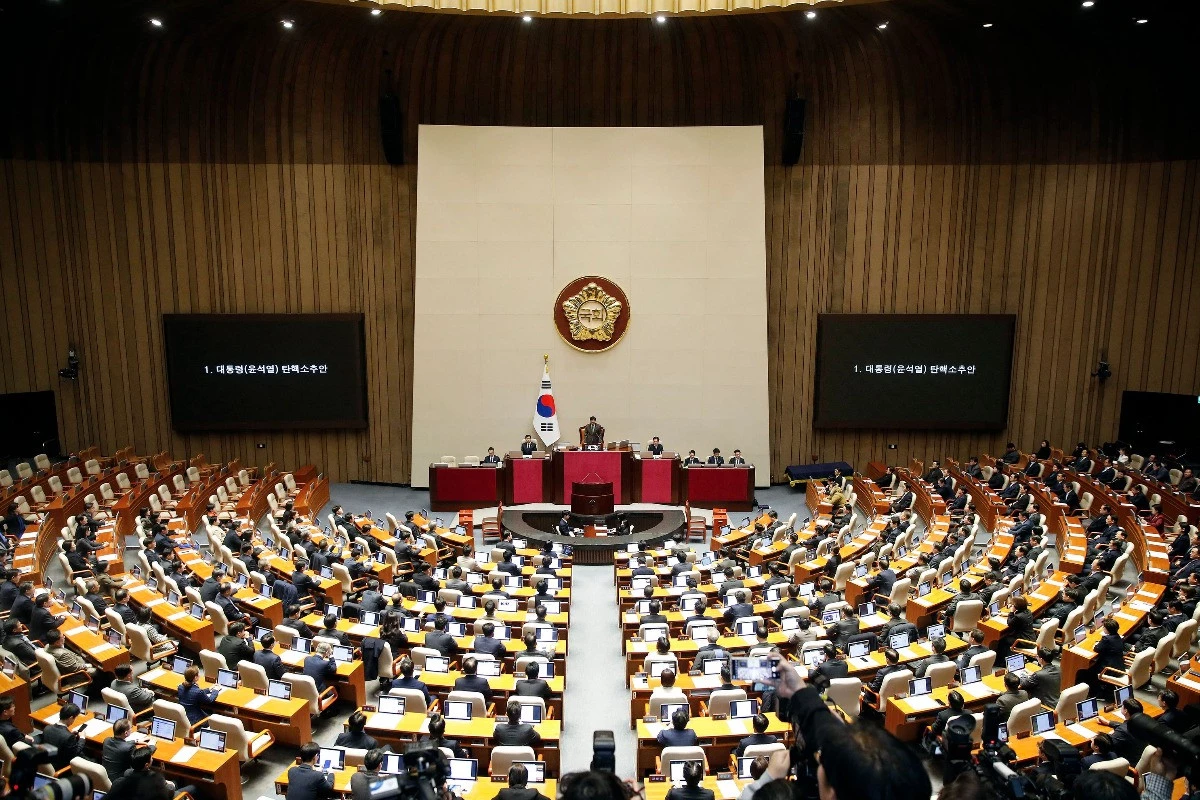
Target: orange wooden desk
<point>718,737</point>
<point>475,734</point>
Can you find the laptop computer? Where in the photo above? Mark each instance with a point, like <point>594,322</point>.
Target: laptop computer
<point>227,678</point>
<point>179,664</point>
<point>935,631</point>
<point>920,686</point>
<point>437,664</point>
<point>970,675</point>
<point>666,710</point>
<point>393,764</point>
<point>212,740</point>
<point>743,709</point>
<point>858,649</point>
<point>78,698</point>
<point>899,641</point>
<point>462,769</point>
<point>113,713</point>
<point>331,758</point>
<point>488,669</point>
<point>530,714</point>
<point>535,769</point>
<point>1042,723</point>
<point>280,690</point>
<point>1088,709</point>
<point>162,728</point>
<point>456,710</point>
<point>866,609</point>
<point>1015,663</point>
<point>713,666</point>
<point>390,704</point>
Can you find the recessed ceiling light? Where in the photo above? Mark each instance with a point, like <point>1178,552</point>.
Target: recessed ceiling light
<point>1089,3</point>
<point>661,18</point>
<point>810,14</point>
<point>375,12</point>
<point>527,18</point>
<point>987,24</point>
<point>882,26</point>
<point>156,22</point>
<point>1142,21</point>
<point>287,23</point>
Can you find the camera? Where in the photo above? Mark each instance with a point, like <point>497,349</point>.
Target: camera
<point>24,774</point>
<point>1181,751</point>
<point>424,776</point>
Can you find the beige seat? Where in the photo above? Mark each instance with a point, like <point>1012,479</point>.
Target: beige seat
<point>1019,719</point>
<point>1117,766</point>
<point>1065,710</point>
<point>24,471</point>
<point>670,754</point>
<point>217,616</point>
<point>419,654</point>
<point>895,683</point>
<point>718,701</point>
<point>1185,634</point>
<point>479,706</point>
<point>175,713</point>
<point>92,466</point>
<point>986,661</point>
<point>115,698</point>
<point>1045,639</point>
<point>42,462</point>
<point>253,676</point>
<point>55,484</point>
<point>846,694</point>
<point>139,645</point>
<point>305,688</point>
<point>756,750</point>
<point>533,701</point>
<point>414,700</point>
<point>355,756</point>
<point>668,659</point>
<point>1162,653</point>
<point>285,635</point>
<point>95,772</point>
<point>664,696</point>
<point>249,746</point>
<point>966,616</point>
<point>503,756</point>
<point>74,476</point>
<point>56,681</point>
<point>941,674</point>
<point>211,661</point>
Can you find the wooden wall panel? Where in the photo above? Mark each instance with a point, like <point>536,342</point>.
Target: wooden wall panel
<point>225,165</point>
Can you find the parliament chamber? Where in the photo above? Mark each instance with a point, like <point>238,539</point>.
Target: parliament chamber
<point>529,400</point>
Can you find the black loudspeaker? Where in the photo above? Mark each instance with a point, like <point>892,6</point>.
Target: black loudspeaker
<point>793,130</point>
<point>391,128</point>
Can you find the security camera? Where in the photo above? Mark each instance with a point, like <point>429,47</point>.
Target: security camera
<point>71,371</point>
<point>1103,372</point>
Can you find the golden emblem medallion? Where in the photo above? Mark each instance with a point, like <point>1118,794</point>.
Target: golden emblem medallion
<point>591,313</point>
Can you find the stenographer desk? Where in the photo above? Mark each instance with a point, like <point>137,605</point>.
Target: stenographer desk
<point>725,487</point>
<point>464,486</point>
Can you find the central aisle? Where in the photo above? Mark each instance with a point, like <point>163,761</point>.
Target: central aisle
<point>596,697</point>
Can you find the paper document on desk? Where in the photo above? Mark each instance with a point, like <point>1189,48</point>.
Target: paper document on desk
<point>151,675</point>
<point>94,727</point>
<point>706,681</point>
<point>383,720</point>
<point>184,754</point>
<point>653,728</point>
<point>1052,735</point>
<point>923,702</point>
<point>973,691</point>
<point>359,629</point>
<point>154,602</point>
<point>258,702</point>
<point>738,726</point>
<point>101,648</point>
<point>1082,730</point>
<point>728,790</point>
<point>862,663</point>
<point>1140,606</point>
<point>177,615</point>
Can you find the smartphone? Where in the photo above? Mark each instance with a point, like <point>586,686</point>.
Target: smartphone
<point>758,670</point>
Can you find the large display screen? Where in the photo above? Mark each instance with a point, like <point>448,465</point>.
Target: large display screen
<point>266,371</point>
<point>930,371</point>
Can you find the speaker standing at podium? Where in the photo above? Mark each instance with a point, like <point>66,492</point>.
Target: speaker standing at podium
<point>593,433</point>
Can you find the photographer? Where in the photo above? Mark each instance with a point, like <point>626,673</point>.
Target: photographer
<point>852,761</point>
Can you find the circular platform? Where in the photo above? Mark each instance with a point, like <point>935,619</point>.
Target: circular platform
<point>651,528</point>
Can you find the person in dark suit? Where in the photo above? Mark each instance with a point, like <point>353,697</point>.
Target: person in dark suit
<point>1012,696</point>
<point>440,640</point>
<point>693,774</point>
<point>882,581</point>
<point>407,681</point>
<point>1192,565</point>
<point>737,460</point>
<point>304,583</point>
<point>140,782</point>
<point>1168,700</point>
<point>437,737</point>
<point>655,447</point>
<point>593,433</point>
<point>563,526</point>
<point>691,459</point>
<point>518,777</point>
<point>1021,625</point>
<point>531,685</point>
<point>193,698</point>
<point>8,729</point>
<point>939,656</point>
<point>16,641</point>
<point>268,659</point>
<point>934,474</point>
<point>212,585</point>
<point>360,782</point>
<point>283,591</point>
<point>68,742</point>
<point>140,698</point>
<point>355,735</point>
<point>1071,499</point>
<point>513,732</point>
<point>472,682</point>
<point>1124,743</point>
<point>291,619</point>
<point>678,735</point>
<point>892,659</point>
<point>833,667</point>
<point>228,607</point>
<point>1046,683</point>
<point>117,750</point>
<point>41,621</point>
<point>507,566</point>
<point>528,447</point>
<point>760,735</point>
<point>487,644</point>
<point>321,667</point>
<point>739,609</point>
<point>491,457</point>
<point>9,590</point>
<point>1110,652</point>
<point>305,781</point>
<point>237,646</point>
<point>954,710</point>
<point>903,502</point>
<point>716,457</point>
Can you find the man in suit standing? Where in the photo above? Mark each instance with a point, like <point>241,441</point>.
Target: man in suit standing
<point>691,459</point>
<point>655,447</point>
<point>528,447</point>
<point>513,732</point>
<point>593,433</point>
<point>305,781</point>
<point>491,457</point>
<point>716,458</point>
<point>737,460</point>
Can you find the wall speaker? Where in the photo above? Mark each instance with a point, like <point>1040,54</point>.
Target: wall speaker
<point>793,130</point>
<point>391,128</point>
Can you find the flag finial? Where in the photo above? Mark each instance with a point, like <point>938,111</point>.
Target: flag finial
<point>546,358</point>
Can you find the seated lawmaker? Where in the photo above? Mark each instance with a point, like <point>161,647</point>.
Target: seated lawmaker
<point>513,732</point>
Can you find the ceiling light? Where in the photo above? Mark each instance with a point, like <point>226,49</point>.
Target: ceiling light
<point>661,18</point>
<point>375,12</point>
<point>156,22</point>
<point>527,18</point>
<point>987,24</point>
<point>1142,21</point>
<point>882,26</point>
<point>287,23</point>
<point>1089,3</point>
<point>810,14</point>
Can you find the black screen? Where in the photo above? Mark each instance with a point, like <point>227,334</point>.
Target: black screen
<point>1149,419</point>
<point>947,371</point>
<point>265,371</point>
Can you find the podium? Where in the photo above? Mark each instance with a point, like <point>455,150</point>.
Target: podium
<point>527,479</point>
<point>591,499</point>
<point>610,466</point>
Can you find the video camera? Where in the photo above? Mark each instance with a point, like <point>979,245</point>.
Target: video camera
<point>424,776</point>
<point>1181,751</point>
<point>24,775</point>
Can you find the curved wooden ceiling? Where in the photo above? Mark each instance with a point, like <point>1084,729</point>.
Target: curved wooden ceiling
<point>599,8</point>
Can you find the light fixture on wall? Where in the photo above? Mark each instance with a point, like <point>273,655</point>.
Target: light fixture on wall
<point>71,371</point>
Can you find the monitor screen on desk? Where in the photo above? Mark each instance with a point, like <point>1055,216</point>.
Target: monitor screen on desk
<point>531,714</point>
<point>327,573</point>
<point>858,649</point>
<point>666,710</point>
<point>970,675</point>
<point>331,758</point>
<point>501,632</point>
<point>113,713</point>
<point>280,690</point>
<point>343,654</point>
<point>535,769</point>
<point>866,609</point>
<point>426,596</point>
<point>179,664</point>
<point>488,669</point>
<point>1081,633</point>
<point>744,766</point>
<point>829,617</point>
<point>545,669</point>
<point>1014,663</point>
<point>1088,708</point>
<point>677,771</point>
<point>456,629</point>
<point>935,631</point>
<point>227,678</point>
<point>391,704</point>
<point>438,664</point>
<point>1122,694</point>
<point>1042,723</point>
<point>162,727</point>
<point>410,624</point>
<point>899,641</point>
<point>456,710</point>
<point>301,645</point>
<point>463,769</point>
<point>78,698</point>
<point>197,611</point>
<point>393,764</point>
<point>173,597</point>
<point>743,709</point>
<point>813,658</point>
<point>746,628</point>
<point>467,601</point>
<point>506,604</point>
<point>920,686</point>
<point>713,666</point>
<point>212,740</point>
<point>639,584</point>
<point>924,588</point>
<point>546,634</point>
<point>330,608</point>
